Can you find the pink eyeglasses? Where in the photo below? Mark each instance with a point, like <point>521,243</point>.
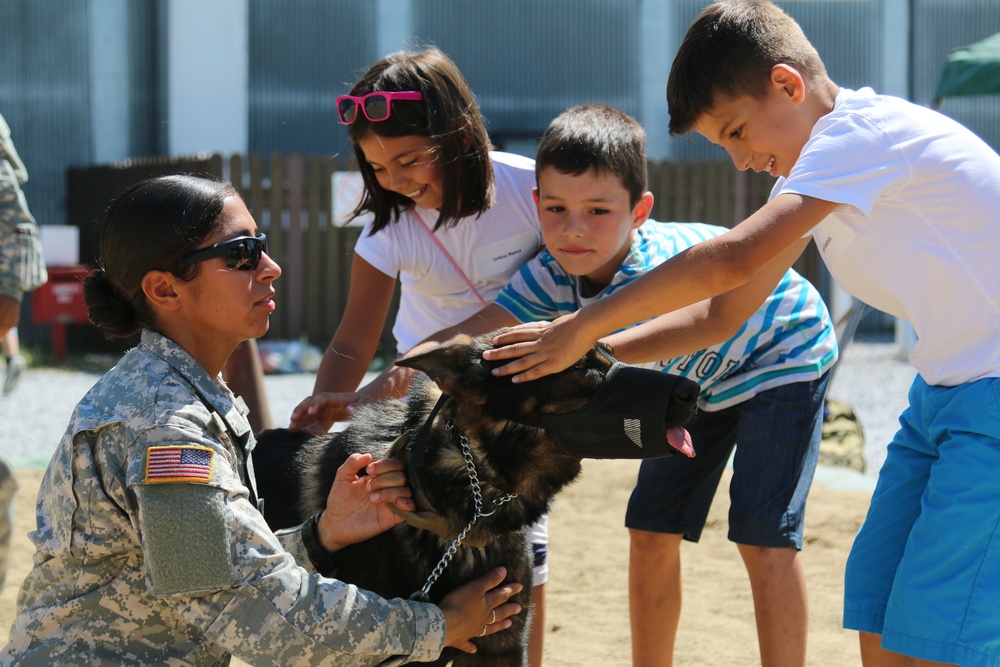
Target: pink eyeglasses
<point>375,106</point>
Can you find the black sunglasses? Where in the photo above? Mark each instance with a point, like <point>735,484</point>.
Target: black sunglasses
<point>241,253</point>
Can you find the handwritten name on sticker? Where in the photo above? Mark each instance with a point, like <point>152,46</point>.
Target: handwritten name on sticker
<point>179,464</point>
<point>503,257</point>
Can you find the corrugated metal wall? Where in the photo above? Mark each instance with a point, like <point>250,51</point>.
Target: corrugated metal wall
<point>522,71</point>
<point>44,94</point>
<point>303,54</point>
<point>45,91</point>
<point>527,61</point>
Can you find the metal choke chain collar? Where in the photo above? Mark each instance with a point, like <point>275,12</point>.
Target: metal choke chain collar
<point>477,497</point>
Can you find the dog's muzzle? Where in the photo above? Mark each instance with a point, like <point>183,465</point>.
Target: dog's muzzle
<point>628,417</point>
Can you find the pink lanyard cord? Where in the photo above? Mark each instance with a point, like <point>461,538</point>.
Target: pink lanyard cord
<point>447,254</point>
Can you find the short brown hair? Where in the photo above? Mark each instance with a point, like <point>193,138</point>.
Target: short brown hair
<point>598,137</point>
<point>730,49</point>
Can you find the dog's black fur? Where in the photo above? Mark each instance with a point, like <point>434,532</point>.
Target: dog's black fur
<point>295,472</point>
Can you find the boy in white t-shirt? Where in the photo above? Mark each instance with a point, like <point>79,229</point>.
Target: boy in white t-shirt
<point>902,203</point>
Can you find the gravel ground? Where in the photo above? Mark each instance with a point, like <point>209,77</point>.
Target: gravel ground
<point>37,412</point>
<point>872,376</point>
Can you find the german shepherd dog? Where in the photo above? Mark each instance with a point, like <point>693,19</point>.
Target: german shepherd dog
<point>478,473</point>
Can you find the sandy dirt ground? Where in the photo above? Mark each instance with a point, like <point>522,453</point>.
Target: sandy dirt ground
<point>587,622</point>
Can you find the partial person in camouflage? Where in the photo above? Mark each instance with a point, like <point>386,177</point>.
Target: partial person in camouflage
<point>8,487</point>
<point>150,547</point>
<point>22,269</point>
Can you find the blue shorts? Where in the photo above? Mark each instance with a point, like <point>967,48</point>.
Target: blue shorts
<point>778,431</point>
<point>924,571</point>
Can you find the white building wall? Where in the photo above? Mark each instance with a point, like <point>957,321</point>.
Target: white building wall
<point>207,76</point>
<point>896,48</point>
<point>657,51</point>
<point>108,95</point>
<point>395,26</point>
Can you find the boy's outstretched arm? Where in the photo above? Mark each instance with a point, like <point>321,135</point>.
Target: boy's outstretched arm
<point>705,323</point>
<point>713,267</point>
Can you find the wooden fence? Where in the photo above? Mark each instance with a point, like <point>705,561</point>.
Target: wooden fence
<point>292,198</point>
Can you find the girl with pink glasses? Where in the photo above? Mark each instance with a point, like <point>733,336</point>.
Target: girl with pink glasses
<point>448,217</point>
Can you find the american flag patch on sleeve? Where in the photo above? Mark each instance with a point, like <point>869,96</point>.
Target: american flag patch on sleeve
<point>179,464</point>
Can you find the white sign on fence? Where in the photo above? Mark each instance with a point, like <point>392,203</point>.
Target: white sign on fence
<point>347,187</point>
<point>60,244</point>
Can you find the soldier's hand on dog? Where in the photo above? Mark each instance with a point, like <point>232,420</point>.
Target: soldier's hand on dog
<point>478,608</point>
<point>316,414</point>
<point>357,507</point>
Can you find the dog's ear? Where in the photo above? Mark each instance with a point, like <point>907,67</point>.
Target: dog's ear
<point>450,365</point>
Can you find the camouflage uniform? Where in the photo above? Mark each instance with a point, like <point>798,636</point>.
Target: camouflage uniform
<point>8,487</point>
<point>22,267</point>
<point>141,560</point>
<point>21,270</point>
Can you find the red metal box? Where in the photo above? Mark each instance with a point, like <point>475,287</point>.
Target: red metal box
<point>60,300</point>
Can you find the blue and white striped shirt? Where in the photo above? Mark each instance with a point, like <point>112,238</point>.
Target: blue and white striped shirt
<point>789,339</point>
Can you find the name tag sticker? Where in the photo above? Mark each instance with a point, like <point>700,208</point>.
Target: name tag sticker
<point>503,257</point>
<point>831,237</point>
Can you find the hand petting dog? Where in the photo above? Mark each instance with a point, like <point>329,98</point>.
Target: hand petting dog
<point>537,349</point>
<point>461,626</point>
<point>357,507</point>
<point>318,413</point>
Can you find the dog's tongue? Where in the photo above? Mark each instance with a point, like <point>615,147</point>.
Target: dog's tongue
<point>680,439</point>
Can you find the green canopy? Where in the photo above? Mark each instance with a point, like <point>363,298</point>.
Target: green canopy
<point>971,70</point>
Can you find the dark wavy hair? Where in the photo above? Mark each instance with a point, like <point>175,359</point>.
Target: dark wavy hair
<point>150,226</point>
<point>448,114</point>
<point>730,49</point>
<point>598,137</point>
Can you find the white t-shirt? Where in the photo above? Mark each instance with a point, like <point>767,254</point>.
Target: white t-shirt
<point>917,233</point>
<point>489,249</point>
